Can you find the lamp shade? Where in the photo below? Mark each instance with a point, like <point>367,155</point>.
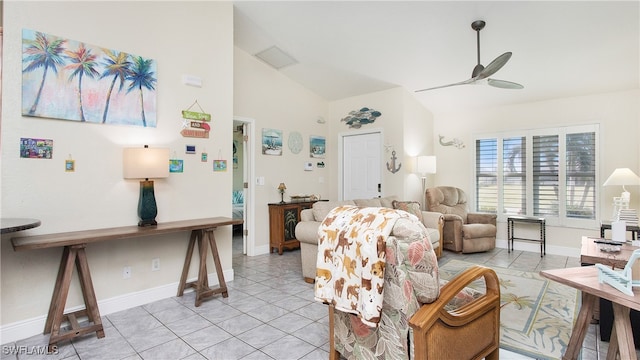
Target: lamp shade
<point>145,163</point>
<point>622,176</point>
<point>426,165</point>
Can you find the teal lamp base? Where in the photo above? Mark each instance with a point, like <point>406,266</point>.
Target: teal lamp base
<point>147,208</point>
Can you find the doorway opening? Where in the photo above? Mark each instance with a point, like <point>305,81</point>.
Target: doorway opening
<point>243,202</point>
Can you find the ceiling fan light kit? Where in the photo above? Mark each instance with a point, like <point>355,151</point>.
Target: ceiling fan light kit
<point>481,72</point>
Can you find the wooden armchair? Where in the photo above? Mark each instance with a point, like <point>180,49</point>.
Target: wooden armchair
<point>453,326</point>
<point>471,331</point>
<point>420,316</point>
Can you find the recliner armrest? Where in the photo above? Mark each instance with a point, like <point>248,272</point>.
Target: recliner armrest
<point>481,218</point>
<point>452,218</point>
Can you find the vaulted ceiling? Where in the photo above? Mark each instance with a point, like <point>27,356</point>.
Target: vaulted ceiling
<point>347,48</point>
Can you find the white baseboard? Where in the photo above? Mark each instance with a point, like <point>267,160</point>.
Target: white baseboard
<point>261,250</point>
<point>27,328</point>
<point>535,247</point>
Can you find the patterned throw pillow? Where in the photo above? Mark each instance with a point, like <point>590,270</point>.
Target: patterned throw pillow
<point>412,207</point>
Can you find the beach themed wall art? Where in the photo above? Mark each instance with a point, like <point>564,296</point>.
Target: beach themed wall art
<point>317,146</point>
<point>271,142</point>
<point>72,80</point>
<point>219,165</point>
<point>356,118</point>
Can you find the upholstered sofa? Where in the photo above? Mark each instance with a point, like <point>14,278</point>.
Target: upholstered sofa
<point>310,220</point>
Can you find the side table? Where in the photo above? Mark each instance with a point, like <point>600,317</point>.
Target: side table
<point>585,279</point>
<point>591,254</point>
<point>527,219</point>
<point>606,225</point>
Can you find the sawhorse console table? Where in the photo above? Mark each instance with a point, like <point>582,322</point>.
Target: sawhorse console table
<point>74,244</point>
<point>527,219</point>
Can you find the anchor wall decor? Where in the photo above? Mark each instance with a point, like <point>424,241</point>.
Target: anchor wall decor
<point>392,167</point>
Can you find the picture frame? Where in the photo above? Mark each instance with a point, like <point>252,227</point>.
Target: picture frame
<point>176,166</point>
<point>317,146</point>
<point>219,165</point>
<point>60,91</point>
<point>271,142</point>
<point>36,148</point>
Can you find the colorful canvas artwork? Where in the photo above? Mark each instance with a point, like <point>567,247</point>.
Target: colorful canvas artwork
<point>36,148</point>
<point>71,80</point>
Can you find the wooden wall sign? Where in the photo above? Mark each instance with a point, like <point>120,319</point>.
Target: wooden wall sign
<point>194,123</point>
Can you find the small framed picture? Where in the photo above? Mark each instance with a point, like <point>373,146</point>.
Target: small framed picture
<point>317,146</point>
<point>219,165</point>
<point>176,166</point>
<point>69,165</point>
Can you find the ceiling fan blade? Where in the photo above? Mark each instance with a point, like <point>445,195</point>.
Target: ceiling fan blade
<point>503,84</point>
<point>494,66</point>
<point>469,81</point>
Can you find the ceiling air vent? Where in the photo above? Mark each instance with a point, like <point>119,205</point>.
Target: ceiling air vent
<point>275,57</point>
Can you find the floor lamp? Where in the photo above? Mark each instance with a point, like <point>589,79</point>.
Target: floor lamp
<point>425,165</point>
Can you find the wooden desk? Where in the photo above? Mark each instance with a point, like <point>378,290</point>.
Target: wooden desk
<point>74,244</point>
<point>585,279</point>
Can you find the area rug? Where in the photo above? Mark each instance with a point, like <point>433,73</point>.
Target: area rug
<point>537,314</point>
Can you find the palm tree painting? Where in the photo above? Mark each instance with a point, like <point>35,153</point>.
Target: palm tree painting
<point>71,80</point>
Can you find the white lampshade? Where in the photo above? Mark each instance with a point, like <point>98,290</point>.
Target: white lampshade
<point>426,165</point>
<point>622,176</point>
<point>145,163</point>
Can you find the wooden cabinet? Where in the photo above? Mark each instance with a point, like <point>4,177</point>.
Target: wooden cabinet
<point>283,219</point>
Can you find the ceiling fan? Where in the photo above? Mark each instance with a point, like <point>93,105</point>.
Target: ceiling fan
<point>480,72</point>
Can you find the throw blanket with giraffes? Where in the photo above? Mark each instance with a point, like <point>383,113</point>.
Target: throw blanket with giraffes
<point>351,259</point>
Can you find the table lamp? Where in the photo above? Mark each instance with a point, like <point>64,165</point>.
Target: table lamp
<point>281,189</point>
<point>425,165</point>
<point>145,163</point>
<point>623,176</point>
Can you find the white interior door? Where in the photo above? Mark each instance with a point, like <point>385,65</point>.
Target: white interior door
<point>361,168</point>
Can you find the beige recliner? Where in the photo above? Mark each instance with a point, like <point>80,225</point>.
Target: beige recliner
<point>464,231</point>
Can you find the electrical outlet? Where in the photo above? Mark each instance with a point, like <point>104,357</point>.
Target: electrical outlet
<point>126,272</point>
<point>155,264</point>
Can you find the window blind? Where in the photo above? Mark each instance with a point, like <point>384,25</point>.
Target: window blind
<point>514,175</point>
<point>486,175</point>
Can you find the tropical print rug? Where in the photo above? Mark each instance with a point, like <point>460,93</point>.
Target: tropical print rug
<point>536,316</point>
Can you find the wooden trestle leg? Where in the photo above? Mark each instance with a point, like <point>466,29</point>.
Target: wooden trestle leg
<point>201,284</point>
<point>74,254</point>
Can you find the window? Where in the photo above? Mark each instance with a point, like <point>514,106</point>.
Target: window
<point>545,172</point>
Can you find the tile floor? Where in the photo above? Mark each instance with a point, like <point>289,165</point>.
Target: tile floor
<point>269,314</point>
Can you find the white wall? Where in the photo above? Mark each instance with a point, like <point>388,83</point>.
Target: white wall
<point>276,102</point>
<point>617,113</point>
<point>184,38</point>
<point>406,127</point>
